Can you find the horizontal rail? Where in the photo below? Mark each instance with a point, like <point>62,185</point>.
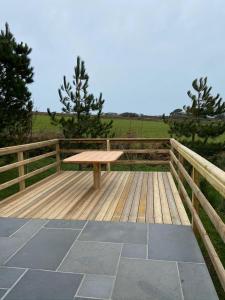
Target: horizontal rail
<point>210,211</point>
<point>116,140</point>
<point>141,162</point>
<point>26,161</point>
<point>214,175</point>
<point>26,147</point>
<point>218,266</point>
<point>26,176</point>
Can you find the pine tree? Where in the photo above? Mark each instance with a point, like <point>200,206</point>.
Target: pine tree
<point>201,116</point>
<point>83,110</point>
<point>15,98</point>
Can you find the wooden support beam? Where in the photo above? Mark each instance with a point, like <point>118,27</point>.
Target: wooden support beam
<point>58,160</point>
<point>21,171</point>
<point>97,175</point>
<point>108,149</point>
<point>195,202</point>
<point>181,160</point>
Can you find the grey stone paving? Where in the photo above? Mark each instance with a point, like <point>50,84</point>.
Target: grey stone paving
<point>43,285</point>
<point>45,250</point>
<point>146,279</point>
<point>8,246</point>
<point>195,281</point>
<point>173,242</point>
<point>134,250</point>
<point>135,233</point>
<point>65,224</point>
<point>2,292</point>
<point>8,276</point>
<point>98,286</point>
<point>100,260</point>
<point>92,258</point>
<point>8,226</point>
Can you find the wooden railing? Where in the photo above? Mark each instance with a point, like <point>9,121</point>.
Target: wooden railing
<point>156,152</point>
<point>142,146</point>
<point>21,162</point>
<point>200,167</point>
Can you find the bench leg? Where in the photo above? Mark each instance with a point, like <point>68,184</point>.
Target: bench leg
<point>97,175</point>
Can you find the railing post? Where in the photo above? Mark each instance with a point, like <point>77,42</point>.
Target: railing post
<point>108,149</point>
<point>181,161</point>
<point>195,202</point>
<point>21,170</point>
<point>58,160</point>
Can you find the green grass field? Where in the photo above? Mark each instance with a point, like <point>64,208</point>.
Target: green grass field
<point>121,127</point>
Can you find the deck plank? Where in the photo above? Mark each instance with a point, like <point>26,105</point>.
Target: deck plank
<point>150,197</point>
<point>150,200</point>
<point>143,199</point>
<point>78,208</point>
<point>111,210</point>
<point>135,205</point>
<point>180,207</point>
<point>63,202</point>
<point>164,203</point>
<point>173,209</point>
<point>35,209</point>
<point>123,198</point>
<point>157,201</point>
<point>111,197</point>
<point>96,198</point>
<point>14,209</point>
<point>130,198</point>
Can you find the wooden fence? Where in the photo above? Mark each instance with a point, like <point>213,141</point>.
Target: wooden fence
<point>21,162</point>
<point>200,167</point>
<point>167,152</point>
<point>144,146</point>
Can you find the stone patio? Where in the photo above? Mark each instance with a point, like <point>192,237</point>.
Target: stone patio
<point>68,260</point>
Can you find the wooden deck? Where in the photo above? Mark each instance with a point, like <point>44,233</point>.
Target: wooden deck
<point>124,196</point>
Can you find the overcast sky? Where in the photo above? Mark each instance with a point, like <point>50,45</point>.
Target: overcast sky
<point>142,55</point>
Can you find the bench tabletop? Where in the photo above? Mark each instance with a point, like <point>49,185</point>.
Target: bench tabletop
<point>94,157</point>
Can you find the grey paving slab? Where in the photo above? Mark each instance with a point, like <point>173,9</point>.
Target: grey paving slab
<point>45,285</point>
<point>146,280</point>
<point>92,258</point>
<point>135,233</point>
<point>96,286</point>
<point>9,225</point>
<point>8,276</point>
<point>45,250</point>
<point>134,250</point>
<point>65,224</point>
<point>9,245</point>
<point>29,229</point>
<point>2,292</point>
<point>173,242</point>
<point>196,282</point>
